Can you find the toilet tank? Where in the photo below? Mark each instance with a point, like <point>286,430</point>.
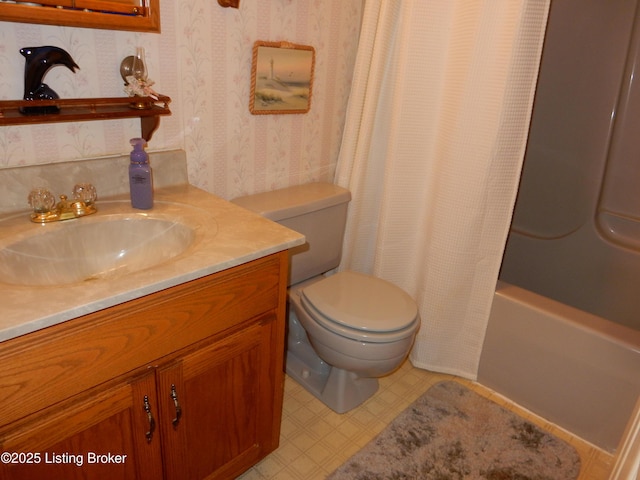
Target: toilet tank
<point>316,210</point>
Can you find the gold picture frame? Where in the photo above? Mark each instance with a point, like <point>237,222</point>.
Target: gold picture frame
<point>281,78</point>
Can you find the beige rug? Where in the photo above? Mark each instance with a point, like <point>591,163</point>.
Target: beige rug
<point>452,433</point>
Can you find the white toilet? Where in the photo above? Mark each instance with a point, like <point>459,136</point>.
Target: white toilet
<point>345,329</point>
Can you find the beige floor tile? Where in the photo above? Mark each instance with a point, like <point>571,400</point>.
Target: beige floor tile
<point>315,440</point>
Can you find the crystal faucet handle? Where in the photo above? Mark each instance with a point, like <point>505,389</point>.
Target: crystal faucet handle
<point>41,200</point>
<point>85,192</point>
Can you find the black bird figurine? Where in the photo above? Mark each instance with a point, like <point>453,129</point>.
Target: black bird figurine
<point>38,62</point>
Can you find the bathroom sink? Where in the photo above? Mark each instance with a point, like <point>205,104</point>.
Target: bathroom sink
<point>83,250</point>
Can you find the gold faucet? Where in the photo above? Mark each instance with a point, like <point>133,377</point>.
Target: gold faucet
<point>45,208</point>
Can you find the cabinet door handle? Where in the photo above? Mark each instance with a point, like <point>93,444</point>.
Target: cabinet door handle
<point>152,422</point>
<point>174,397</point>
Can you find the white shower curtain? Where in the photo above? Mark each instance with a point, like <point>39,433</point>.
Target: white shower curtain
<point>433,145</point>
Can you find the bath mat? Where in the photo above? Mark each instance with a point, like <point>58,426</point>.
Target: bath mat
<point>453,433</point>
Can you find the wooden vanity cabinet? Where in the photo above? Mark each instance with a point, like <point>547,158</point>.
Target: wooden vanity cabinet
<point>60,442</point>
<point>187,383</point>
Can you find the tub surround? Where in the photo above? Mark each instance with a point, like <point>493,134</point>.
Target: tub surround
<point>575,235</point>
<point>226,236</point>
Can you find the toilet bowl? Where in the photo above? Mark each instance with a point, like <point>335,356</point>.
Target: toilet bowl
<point>359,327</point>
<point>344,329</point>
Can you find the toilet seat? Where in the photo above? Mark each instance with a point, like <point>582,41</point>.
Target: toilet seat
<point>361,307</point>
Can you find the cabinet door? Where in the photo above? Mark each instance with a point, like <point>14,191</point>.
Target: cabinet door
<point>226,395</point>
<point>103,436</point>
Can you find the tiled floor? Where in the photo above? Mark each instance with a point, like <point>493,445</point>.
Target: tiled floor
<point>315,440</point>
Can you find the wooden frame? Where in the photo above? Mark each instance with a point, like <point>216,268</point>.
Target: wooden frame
<point>229,3</point>
<point>140,15</point>
<point>281,78</point>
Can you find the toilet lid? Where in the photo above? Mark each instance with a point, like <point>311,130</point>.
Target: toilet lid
<point>362,302</point>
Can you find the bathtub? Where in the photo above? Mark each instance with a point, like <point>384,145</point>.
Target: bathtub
<point>575,369</point>
<point>570,352</point>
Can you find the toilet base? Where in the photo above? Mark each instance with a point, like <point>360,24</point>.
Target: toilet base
<point>338,389</point>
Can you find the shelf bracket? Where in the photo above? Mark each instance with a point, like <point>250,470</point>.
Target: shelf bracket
<point>148,126</point>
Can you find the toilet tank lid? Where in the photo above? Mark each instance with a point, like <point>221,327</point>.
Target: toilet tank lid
<point>290,202</point>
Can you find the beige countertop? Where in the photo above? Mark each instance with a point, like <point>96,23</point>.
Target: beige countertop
<point>225,236</point>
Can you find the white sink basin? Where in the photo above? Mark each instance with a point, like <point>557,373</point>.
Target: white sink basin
<point>82,250</point>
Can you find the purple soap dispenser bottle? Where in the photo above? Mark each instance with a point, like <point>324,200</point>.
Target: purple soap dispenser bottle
<point>140,178</point>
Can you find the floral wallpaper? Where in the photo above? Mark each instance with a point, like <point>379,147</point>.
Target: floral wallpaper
<point>202,60</point>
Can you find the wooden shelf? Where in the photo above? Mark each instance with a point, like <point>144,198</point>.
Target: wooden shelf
<point>86,109</point>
